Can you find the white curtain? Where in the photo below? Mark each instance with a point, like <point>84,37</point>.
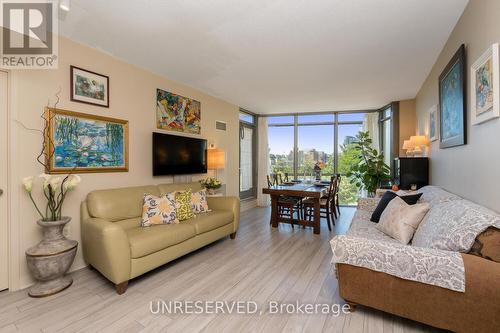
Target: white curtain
<point>263,200</point>
<point>371,125</point>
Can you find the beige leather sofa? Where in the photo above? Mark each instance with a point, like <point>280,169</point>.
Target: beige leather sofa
<point>115,244</point>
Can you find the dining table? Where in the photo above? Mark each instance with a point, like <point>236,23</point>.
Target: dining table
<point>299,190</point>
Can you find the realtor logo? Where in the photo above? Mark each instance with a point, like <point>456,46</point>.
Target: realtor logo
<point>29,34</point>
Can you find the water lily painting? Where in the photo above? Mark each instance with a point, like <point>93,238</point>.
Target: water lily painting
<point>177,113</point>
<point>452,107</point>
<point>82,143</point>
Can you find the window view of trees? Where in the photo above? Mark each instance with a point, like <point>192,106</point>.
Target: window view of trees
<point>316,136</point>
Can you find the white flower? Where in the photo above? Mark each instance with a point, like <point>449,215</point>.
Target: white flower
<point>28,184</point>
<point>45,179</point>
<point>72,182</point>
<point>53,181</point>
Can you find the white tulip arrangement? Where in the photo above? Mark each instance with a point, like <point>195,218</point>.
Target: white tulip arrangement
<point>55,189</point>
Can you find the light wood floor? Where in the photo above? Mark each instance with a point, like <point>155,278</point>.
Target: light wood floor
<point>262,264</point>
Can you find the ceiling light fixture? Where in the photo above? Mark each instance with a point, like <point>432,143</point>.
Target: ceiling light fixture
<point>65,5</point>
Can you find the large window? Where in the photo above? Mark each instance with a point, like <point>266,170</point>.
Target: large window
<point>281,145</point>
<point>298,142</point>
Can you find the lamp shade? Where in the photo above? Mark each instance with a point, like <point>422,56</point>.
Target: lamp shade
<point>407,145</point>
<point>419,140</point>
<point>216,159</point>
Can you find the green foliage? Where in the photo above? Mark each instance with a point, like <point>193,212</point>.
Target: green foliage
<point>369,171</point>
<point>348,192</point>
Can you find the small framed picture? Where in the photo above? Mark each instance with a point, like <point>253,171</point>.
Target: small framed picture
<point>433,124</point>
<point>485,86</point>
<point>89,87</point>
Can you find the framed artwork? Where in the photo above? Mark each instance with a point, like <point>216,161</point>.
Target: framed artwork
<point>433,124</point>
<point>84,143</point>
<point>484,86</point>
<point>89,87</point>
<point>177,113</point>
<point>452,102</point>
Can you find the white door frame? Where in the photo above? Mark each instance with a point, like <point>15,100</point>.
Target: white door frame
<point>4,180</point>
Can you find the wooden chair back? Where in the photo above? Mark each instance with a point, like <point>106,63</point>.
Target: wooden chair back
<point>332,188</point>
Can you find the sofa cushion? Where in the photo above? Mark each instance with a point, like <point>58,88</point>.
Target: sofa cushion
<point>183,207</point>
<point>144,241</point>
<point>487,244</point>
<point>199,201</point>
<point>400,220</point>
<point>435,195</point>
<point>167,188</point>
<point>388,196</point>
<point>212,220</point>
<point>159,210</point>
<point>118,204</point>
<point>454,225</point>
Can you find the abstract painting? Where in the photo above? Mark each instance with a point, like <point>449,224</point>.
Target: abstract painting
<point>89,87</point>
<point>177,113</point>
<point>433,124</point>
<point>452,102</point>
<point>485,86</point>
<point>84,143</point>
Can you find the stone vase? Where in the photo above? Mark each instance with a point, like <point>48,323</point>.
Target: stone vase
<point>50,260</point>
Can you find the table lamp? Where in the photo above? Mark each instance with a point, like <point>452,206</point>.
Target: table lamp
<point>216,159</point>
<point>418,141</point>
<point>408,146</point>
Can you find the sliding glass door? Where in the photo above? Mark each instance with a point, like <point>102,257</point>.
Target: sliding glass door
<point>248,141</point>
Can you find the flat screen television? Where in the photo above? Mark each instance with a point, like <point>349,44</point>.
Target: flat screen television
<point>178,155</point>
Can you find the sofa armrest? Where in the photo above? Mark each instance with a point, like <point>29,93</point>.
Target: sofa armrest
<point>227,203</point>
<point>106,247</point>
<point>368,204</point>
<point>436,267</point>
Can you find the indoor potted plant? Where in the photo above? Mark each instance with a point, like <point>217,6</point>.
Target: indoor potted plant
<point>211,184</point>
<point>370,171</point>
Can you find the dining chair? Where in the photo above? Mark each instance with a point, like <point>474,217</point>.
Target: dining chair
<point>326,209</point>
<point>287,206</point>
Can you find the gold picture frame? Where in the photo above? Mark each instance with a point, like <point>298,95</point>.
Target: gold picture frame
<point>84,143</point>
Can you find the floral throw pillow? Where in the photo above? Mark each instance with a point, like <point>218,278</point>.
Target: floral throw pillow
<point>184,208</point>
<point>199,202</point>
<point>159,210</point>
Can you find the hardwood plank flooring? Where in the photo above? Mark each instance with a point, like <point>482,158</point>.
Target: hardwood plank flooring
<point>262,264</point>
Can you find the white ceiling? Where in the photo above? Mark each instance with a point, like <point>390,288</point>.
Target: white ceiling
<point>275,56</point>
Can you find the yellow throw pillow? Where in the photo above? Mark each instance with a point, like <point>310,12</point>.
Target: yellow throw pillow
<point>183,205</point>
<point>158,210</point>
<point>199,202</point>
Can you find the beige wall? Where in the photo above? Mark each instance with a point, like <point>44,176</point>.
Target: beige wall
<point>407,122</point>
<point>471,171</point>
<point>132,97</point>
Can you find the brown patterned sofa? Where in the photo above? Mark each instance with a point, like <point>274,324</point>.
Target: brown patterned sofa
<point>427,280</point>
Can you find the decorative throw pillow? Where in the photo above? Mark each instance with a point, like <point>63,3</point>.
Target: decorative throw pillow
<point>400,220</point>
<point>184,208</point>
<point>387,198</point>
<point>199,202</point>
<point>158,210</point>
<point>487,244</point>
